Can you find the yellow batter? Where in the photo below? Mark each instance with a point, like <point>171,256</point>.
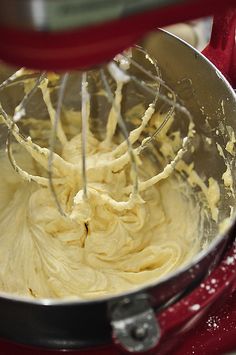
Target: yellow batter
<point>107,243</point>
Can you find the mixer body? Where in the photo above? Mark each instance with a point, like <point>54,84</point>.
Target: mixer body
<point>76,34</point>
<point>76,324</point>
<point>54,16</point>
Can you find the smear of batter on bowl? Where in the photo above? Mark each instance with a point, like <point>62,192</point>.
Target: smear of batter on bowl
<point>111,241</point>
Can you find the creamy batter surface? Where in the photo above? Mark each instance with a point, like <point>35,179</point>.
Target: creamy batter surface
<point>104,243</point>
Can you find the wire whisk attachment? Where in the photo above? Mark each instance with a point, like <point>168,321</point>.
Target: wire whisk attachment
<point>97,130</point>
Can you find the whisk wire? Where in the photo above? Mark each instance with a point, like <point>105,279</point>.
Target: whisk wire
<point>123,130</point>
<point>53,142</point>
<point>154,92</point>
<point>84,130</point>
<point>20,109</point>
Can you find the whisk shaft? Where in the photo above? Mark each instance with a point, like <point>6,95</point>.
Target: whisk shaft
<point>84,119</point>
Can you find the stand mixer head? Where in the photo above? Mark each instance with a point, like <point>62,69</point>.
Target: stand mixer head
<point>76,34</point>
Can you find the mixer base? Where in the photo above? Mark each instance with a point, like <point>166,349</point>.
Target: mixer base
<point>216,334</point>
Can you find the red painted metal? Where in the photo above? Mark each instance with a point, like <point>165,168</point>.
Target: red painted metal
<point>222,47</point>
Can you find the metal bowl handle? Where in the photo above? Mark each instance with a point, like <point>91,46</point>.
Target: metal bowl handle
<point>134,324</point>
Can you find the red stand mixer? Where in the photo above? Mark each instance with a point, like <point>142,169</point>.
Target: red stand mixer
<point>197,316</point>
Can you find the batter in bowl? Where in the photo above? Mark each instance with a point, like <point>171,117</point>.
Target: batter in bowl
<point>109,241</point>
